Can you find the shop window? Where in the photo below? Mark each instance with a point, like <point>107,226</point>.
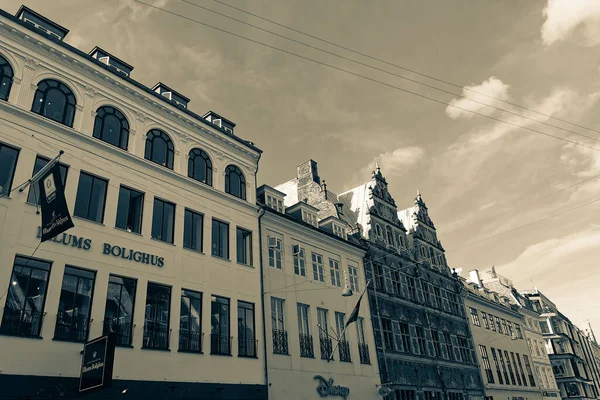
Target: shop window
<point>118,314</point>
<point>190,321</point>
<point>75,304</point>
<point>156,320</point>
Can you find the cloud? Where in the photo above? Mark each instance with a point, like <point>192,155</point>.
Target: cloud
<point>493,87</point>
<point>564,17</point>
<point>392,163</point>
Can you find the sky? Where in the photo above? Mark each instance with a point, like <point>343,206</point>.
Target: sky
<point>486,181</point>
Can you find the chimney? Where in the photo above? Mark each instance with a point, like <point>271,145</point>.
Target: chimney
<point>474,275</point>
<point>308,175</point>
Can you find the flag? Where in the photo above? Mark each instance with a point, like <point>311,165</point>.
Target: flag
<point>354,314</point>
<point>55,213</point>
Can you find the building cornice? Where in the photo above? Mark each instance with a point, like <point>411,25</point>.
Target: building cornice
<point>482,300</point>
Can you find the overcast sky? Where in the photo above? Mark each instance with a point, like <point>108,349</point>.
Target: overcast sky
<point>479,177</point>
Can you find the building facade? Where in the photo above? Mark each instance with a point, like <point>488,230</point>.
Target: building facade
<point>574,367</point>
<point>424,347</point>
<point>306,270</point>
<point>504,357</point>
<point>531,328</point>
<point>164,249</point>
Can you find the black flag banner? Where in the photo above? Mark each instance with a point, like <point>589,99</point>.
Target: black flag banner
<point>55,213</point>
<point>354,315</point>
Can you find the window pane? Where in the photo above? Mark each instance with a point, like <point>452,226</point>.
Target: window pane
<point>55,104</point>
<point>192,230</point>
<point>118,314</point>
<point>91,195</point>
<point>168,222</point>
<point>73,318</point>
<point>156,324</point>
<point>8,163</point>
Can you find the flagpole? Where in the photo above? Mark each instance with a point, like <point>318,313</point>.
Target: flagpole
<point>42,171</point>
<point>346,327</point>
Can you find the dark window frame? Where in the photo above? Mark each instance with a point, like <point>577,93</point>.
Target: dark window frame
<point>162,223</point>
<point>107,328</point>
<point>40,98</point>
<point>219,334</point>
<point>245,234</point>
<point>7,75</point>
<point>7,189</point>
<point>249,351</point>
<point>242,180</point>
<point>155,319</point>
<point>220,246</point>
<point>185,345</point>
<point>89,199</point>
<point>193,155</point>
<point>129,204</point>
<point>157,134</point>
<point>192,242</point>
<point>123,136</point>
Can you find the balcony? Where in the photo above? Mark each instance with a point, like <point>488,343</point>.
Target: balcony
<point>326,348</point>
<point>306,346</point>
<point>190,341</point>
<point>344,350</point>
<point>363,352</point>
<point>122,328</point>
<point>72,328</point>
<point>247,347</point>
<point>280,342</point>
<point>220,344</point>
<point>156,336</point>
<point>21,323</point>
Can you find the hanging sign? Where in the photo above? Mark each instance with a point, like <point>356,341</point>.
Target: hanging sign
<point>55,213</point>
<point>97,363</point>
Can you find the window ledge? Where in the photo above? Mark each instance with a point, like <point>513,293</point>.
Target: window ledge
<point>162,241</point>
<point>190,351</point>
<point>242,356</point>
<point>245,265</point>
<point>124,346</point>
<point>221,258</point>
<point>131,232</point>
<point>21,336</point>
<point>313,357</point>
<point>154,349</point>
<point>221,354</point>
<point>89,220</point>
<point>194,250</point>
<point>68,340</point>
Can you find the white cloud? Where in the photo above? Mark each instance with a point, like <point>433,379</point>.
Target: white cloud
<point>564,17</point>
<point>493,87</point>
<point>392,163</point>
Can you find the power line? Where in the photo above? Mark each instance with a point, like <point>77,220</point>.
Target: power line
<point>369,78</point>
<point>524,226</point>
<point>403,68</point>
<point>390,73</point>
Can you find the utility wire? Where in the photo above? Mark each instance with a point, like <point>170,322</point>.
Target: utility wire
<point>369,78</point>
<point>524,226</point>
<point>391,73</point>
<point>402,68</point>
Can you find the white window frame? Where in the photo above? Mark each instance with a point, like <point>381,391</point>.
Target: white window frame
<point>275,253</point>
<point>334,271</point>
<point>277,310</point>
<point>299,260</point>
<point>317,265</point>
<point>353,277</point>
<point>303,318</point>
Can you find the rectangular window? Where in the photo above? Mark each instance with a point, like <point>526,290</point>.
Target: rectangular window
<point>454,304</point>
<point>8,164</point>
<point>118,313</point>
<point>91,197</point>
<point>74,307</point>
<point>448,345</point>
<point>24,308</point>
<point>193,230</point>
<point>520,365</point>
<point>514,364</point>
<point>510,369</point>
<point>437,295</point>
<point>510,328</point>
<point>437,347</point>
<point>486,324</point>
<point>405,336</point>
<point>421,339</point>
<point>280,338</point>
<point>378,272</point>
<point>156,320</point>
<point>130,208</point>
<point>274,252</point>
<point>504,369</point>
<point>190,321</point>
<point>475,317</point>
<point>299,261</point>
<point>317,264</point>
<point>492,324</point>
<point>402,394</point>
<point>246,329</point>
<point>497,364</point>
<point>388,336</point>
<point>529,372</point>
<point>324,339</point>
<point>353,277</point>
<point>504,327</point>
<point>339,325</point>
<point>412,290</point>
<point>40,162</point>
<point>387,276</point>
<point>396,282</point>
<point>486,364</point>
<point>425,289</point>
<point>518,331</point>
<point>220,239</point>
<point>334,270</point>
<point>220,331</point>
<point>163,220</point>
<point>244,246</point>
<point>303,324</point>
<point>274,203</point>
<point>360,330</point>
<point>498,325</point>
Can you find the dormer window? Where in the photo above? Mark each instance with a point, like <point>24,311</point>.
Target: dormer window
<point>41,23</point>
<point>309,218</point>
<point>275,204</point>
<point>115,63</point>
<point>175,97</point>
<point>339,231</point>
<point>271,198</point>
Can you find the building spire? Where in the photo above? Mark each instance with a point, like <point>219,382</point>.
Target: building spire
<point>377,169</point>
<point>592,332</point>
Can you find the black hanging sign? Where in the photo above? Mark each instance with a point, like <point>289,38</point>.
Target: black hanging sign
<point>55,213</point>
<point>97,363</point>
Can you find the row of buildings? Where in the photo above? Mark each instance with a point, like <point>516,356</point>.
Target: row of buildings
<point>166,206</point>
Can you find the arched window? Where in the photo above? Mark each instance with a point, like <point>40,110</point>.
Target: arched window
<point>390,235</point>
<point>378,230</point>
<point>400,241</point>
<point>159,148</point>
<point>111,126</point>
<point>200,166</point>
<point>235,183</point>
<point>6,78</point>
<point>54,100</point>
<point>432,256</point>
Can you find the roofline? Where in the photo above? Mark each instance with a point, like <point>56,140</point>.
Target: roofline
<point>129,80</point>
<point>315,229</point>
<point>113,56</point>
<point>24,7</point>
<point>171,90</point>
<point>302,204</point>
<point>220,117</point>
<point>270,188</point>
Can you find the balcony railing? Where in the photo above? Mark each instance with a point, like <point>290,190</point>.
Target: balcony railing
<point>156,336</point>
<point>122,328</point>
<point>344,350</point>
<point>73,328</point>
<point>23,323</point>
<point>326,347</point>
<point>190,341</point>
<point>247,347</point>
<point>306,346</point>
<point>220,344</point>
<point>363,352</point>
<point>280,342</point>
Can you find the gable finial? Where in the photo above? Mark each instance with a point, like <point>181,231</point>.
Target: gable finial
<point>377,168</point>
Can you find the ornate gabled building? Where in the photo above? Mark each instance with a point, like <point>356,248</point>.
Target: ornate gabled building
<point>423,342</point>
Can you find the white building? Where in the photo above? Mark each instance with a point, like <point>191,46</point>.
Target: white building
<point>164,248</point>
<point>306,266</point>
